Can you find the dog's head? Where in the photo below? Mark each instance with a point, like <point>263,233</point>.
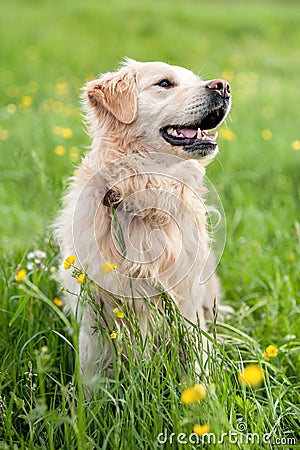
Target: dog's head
<point>160,108</point>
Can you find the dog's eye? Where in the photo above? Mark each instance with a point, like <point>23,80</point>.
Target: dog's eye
<point>165,83</point>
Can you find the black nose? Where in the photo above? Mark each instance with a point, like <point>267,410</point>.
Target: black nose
<point>221,86</point>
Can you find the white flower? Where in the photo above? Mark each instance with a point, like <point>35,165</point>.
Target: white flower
<point>30,265</point>
<point>35,259</point>
<point>39,254</point>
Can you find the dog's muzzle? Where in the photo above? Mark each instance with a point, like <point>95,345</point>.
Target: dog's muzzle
<point>193,137</point>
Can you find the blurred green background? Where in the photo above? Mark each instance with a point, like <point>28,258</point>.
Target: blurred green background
<point>50,48</point>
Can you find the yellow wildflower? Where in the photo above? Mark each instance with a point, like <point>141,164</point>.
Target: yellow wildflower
<point>118,313</point>
<point>4,134</point>
<point>296,145</point>
<point>80,278</point>
<point>290,257</point>
<point>20,275</point>
<point>108,267</point>
<point>194,394</point>
<point>57,129</point>
<point>11,108</point>
<point>61,87</point>
<point>271,350</point>
<point>201,429</point>
<point>26,101</point>
<point>74,154</point>
<point>59,150</point>
<point>226,134</point>
<point>228,75</point>
<point>67,133</point>
<point>252,375</point>
<point>266,135</point>
<point>69,261</point>
<point>113,335</point>
<point>57,302</point>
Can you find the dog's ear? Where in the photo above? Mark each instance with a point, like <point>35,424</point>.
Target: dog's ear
<point>117,93</point>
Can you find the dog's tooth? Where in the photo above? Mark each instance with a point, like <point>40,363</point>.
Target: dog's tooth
<point>199,134</point>
<point>170,130</point>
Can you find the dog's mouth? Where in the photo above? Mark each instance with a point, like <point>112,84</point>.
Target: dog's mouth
<point>194,137</point>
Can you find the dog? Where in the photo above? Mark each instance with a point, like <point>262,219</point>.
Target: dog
<point>137,202</point>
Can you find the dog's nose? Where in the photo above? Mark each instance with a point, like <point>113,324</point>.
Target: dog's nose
<point>221,86</point>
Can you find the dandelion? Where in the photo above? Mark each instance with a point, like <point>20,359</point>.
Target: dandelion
<point>59,150</point>
<point>266,356</point>
<point>266,135</point>
<point>69,261</point>
<point>57,130</point>
<point>4,134</point>
<point>11,108</point>
<point>67,133</point>
<point>113,335</point>
<point>227,134</point>
<point>194,394</point>
<point>74,154</point>
<point>252,375</point>
<point>290,257</point>
<point>201,429</point>
<point>26,101</point>
<point>118,313</point>
<point>90,77</point>
<point>57,302</point>
<point>20,275</point>
<point>61,87</point>
<point>271,351</point>
<point>228,75</point>
<point>108,267</point>
<point>80,278</point>
<point>295,145</point>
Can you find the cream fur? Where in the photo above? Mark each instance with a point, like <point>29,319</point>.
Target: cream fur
<point>163,213</point>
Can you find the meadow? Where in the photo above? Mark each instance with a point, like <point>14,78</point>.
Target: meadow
<point>48,51</point>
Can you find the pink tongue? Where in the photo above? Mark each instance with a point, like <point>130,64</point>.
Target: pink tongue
<point>187,132</point>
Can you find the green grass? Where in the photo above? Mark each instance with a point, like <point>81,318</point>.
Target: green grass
<point>48,50</point>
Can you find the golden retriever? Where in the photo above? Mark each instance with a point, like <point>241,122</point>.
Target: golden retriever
<point>137,201</point>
